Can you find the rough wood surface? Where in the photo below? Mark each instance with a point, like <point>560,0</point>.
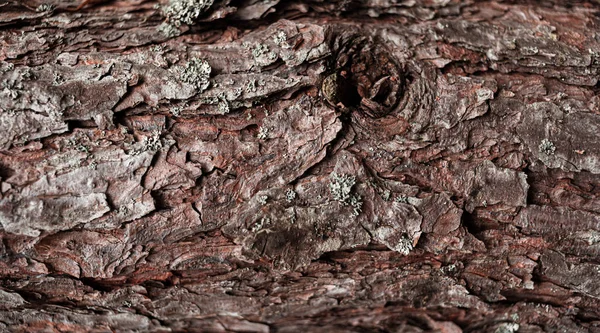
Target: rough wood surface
<point>299,166</point>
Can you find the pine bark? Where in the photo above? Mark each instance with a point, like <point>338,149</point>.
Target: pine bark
<point>279,166</point>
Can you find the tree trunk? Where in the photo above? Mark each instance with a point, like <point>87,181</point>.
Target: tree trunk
<point>283,166</point>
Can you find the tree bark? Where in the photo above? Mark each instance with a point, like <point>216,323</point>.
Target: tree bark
<point>279,166</point>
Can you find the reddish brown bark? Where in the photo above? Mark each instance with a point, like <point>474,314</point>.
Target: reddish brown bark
<point>255,166</point>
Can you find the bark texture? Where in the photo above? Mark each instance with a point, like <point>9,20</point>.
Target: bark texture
<point>290,166</point>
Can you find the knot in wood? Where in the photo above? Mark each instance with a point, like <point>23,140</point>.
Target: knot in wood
<point>367,76</point>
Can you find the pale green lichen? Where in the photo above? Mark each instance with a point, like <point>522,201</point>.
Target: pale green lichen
<point>57,79</point>
<point>290,195</point>
<point>13,94</point>
<point>263,133</point>
<point>82,148</point>
<point>197,73</point>
<point>176,111</point>
<point>356,203</point>
<point>123,211</point>
<point>152,143</point>
<point>45,7</point>
<point>259,50</point>
<point>507,328</point>
<point>449,269</point>
<point>546,147</point>
<point>262,200</point>
<point>168,30</point>
<point>6,67</point>
<point>280,39</point>
<point>386,195</point>
<point>237,92</point>
<point>212,100</point>
<point>223,107</point>
<point>27,74</point>
<point>405,245</point>
<point>340,186</point>
<point>148,143</point>
<point>186,11</point>
<point>251,86</point>
<point>258,226</point>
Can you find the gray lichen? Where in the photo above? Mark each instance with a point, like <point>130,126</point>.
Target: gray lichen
<point>340,187</point>
<point>507,328</point>
<point>151,143</point>
<point>281,39</point>
<point>168,30</point>
<point>259,50</point>
<point>186,11</point>
<point>547,147</point>
<point>157,48</point>
<point>290,195</point>
<point>262,200</point>
<point>196,72</point>
<point>212,100</point>
<point>176,111</point>
<point>404,246</point>
<point>6,67</point>
<point>386,195</point>
<point>27,74</point>
<point>356,203</point>
<point>263,133</point>
<point>13,94</point>
<point>58,79</point>
<point>223,107</point>
<point>45,7</point>
<point>251,86</point>
<point>258,226</point>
